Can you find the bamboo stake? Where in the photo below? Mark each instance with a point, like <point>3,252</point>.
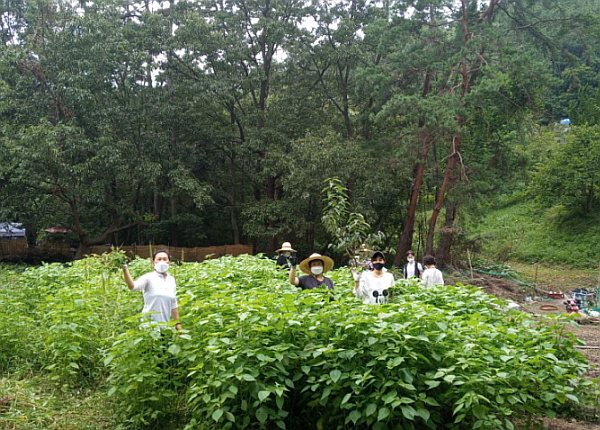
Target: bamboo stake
<point>470,265</point>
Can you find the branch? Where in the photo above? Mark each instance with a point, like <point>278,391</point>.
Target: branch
<point>100,240</point>
<point>541,21</point>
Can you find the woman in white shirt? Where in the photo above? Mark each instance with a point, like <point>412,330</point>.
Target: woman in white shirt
<point>372,285</point>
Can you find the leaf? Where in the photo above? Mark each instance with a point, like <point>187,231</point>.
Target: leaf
<point>423,413</point>
<point>335,375</point>
<point>432,384</point>
<point>371,408</point>
<point>408,412</point>
<point>479,411</point>
<point>262,414</point>
<point>383,414</point>
<point>216,415</point>
<point>262,395</point>
<point>279,401</point>
<point>390,397</point>
<point>354,416</point>
<point>449,378</point>
<point>459,418</point>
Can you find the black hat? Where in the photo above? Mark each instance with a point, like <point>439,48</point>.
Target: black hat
<point>376,254</point>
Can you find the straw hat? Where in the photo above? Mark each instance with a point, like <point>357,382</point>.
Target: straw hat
<point>327,263</point>
<point>286,247</point>
<point>363,248</point>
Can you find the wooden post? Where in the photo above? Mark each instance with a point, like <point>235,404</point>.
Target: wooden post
<point>470,265</point>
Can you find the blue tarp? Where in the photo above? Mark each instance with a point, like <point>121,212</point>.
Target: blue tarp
<point>11,230</point>
<point>565,121</point>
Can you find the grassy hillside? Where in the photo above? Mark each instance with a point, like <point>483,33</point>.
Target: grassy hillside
<point>522,231</point>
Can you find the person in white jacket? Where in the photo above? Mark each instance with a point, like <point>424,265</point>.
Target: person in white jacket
<point>372,285</point>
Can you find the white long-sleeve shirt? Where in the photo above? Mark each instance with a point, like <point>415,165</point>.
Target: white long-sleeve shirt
<point>368,283</point>
<point>431,277</point>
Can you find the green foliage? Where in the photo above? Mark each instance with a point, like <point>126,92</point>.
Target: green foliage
<point>349,229</point>
<point>255,352</point>
<point>525,232</point>
<point>570,176</point>
<point>124,120</point>
<point>61,318</point>
<point>259,351</point>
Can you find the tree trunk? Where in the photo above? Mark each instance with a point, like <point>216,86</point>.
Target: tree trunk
<point>448,234</point>
<point>235,227</point>
<point>174,225</point>
<point>271,196</point>
<point>405,242</point>
<point>447,184</point>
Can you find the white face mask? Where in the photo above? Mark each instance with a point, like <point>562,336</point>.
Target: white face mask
<point>161,266</point>
<point>410,259</point>
<point>316,270</point>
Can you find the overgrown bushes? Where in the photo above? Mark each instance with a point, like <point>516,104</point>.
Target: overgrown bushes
<point>257,353</point>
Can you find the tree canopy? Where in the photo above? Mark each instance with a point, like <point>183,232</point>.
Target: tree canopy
<point>209,122</point>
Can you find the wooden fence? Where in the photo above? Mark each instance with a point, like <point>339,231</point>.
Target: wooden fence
<point>18,250</point>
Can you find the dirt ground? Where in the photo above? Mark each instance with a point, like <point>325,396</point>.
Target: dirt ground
<point>587,330</point>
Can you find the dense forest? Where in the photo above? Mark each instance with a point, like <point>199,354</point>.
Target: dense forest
<point>211,122</point>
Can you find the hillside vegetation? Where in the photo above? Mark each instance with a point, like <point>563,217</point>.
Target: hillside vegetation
<point>526,232</point>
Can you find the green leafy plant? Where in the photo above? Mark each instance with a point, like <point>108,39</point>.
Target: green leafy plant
<point>349,229</point>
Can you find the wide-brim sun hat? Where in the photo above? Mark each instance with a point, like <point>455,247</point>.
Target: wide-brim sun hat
<point>327,263</point>
<point>286,247</point>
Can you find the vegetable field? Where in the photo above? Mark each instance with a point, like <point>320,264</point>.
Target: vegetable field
<point>256,353</point>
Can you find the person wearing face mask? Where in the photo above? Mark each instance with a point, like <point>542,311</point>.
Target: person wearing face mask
<point>377,280</point>
<point>314,266</point>
<point>285,252</point>
<point>412,269</point>
<point>158,289</point>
